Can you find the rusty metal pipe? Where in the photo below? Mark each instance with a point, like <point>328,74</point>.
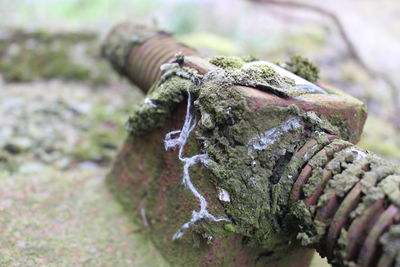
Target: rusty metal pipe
<point>363,231</point>
<point>138,53</point>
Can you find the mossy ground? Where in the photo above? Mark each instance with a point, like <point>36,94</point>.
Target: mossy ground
<point>59,218</point>
<point>57,141</point>
<point>38,55</point>
<point>67,125</point>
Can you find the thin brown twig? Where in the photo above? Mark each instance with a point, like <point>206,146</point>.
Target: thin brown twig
<point>351,50</point>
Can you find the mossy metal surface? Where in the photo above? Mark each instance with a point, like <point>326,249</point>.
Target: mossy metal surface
<point>359,181</point>
<point>249,142</point>
<point>265,76</point>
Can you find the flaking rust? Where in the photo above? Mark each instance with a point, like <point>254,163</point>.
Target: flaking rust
<point>241,163</point>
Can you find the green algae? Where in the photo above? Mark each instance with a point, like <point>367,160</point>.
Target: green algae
<point>303,67</point>
<point>308,231</point>
<point>233,168</point>
<point>345,180</point>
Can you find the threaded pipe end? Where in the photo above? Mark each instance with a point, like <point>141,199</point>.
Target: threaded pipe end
<point>351,199</point>
<point>138,52</point>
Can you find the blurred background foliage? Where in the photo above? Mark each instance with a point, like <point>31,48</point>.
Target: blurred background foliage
<point>267,30</point>
<point>63,108</point>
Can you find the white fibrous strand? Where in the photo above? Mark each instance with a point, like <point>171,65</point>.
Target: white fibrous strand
<point>271,136</point>
<point>359,154</point>
<point>144,218</point>
<point>223,195</point>
<point>181,137</point>
<point>150,102</point>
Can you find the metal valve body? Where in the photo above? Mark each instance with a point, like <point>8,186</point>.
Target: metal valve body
<point>235,161</point>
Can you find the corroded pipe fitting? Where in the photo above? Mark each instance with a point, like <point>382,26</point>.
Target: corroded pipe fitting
<point>274,167</point>
<point>352,198</point>
<point>137,52</point>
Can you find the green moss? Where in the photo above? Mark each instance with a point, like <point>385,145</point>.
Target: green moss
<point>266,76</point>
<point>29,65</point>
<point>20,35</point>
<point>30,56</point>
<point>390,242</point>
<point>304,68</point>
<point>227,63</point>
<point>249,58</point>
<point>348,167</point>
<point>152,112</point>
<point>104,136</point>
<point>76,218</point>
<point>230,228</point>
<point>226,162</point>
<point>8,166</point>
